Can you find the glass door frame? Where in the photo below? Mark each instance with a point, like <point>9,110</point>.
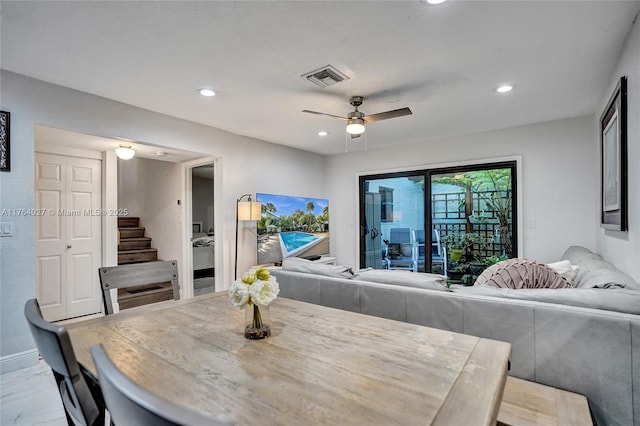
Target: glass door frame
<point>428,221</point>
<point>361,213</point>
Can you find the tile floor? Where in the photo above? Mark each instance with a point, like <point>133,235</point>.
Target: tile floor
<point>203,286</point>
<point>29,397</point>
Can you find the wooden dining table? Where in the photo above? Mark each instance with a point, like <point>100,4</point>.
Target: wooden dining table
<point>320,366</point>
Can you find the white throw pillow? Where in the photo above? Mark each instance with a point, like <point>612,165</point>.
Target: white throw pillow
<point>297,264</point>
<point>566,269</point>
<point>403,278</point>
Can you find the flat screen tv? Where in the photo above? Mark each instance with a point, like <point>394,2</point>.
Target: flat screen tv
<point>292,227</point>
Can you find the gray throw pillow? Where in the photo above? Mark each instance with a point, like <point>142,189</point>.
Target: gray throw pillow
<point>595,272</point>
<point>521,273</point>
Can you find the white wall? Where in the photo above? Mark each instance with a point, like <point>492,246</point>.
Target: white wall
<point>150,190</point>
<point>559,182</point>
<point>244,165</point>
<point>623,248</point>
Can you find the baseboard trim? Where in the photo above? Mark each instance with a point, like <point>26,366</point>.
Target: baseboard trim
<point>19,360</point>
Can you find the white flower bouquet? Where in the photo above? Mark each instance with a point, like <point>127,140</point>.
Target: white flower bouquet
<point>255,290</point>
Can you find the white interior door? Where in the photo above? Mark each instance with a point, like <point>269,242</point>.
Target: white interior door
<point>68,235</point>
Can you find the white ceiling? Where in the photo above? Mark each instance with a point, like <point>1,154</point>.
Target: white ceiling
<point>441,61</point>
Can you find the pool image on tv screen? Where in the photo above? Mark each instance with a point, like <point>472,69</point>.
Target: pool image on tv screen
<point>292,227</point>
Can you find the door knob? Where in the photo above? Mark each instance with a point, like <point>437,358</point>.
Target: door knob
<point>68,245</point>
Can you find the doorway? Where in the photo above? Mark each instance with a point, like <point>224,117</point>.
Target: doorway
<point>393,212</point>
<point>71,143</point>
<point>454,221</point>
<point>202,228</point>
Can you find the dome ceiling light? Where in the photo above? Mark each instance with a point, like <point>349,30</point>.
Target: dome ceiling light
<point>125,152</point>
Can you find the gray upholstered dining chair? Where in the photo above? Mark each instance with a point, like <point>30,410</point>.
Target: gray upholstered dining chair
<point>148,274</point>
<point>81,396</point>
<point>132,405</point>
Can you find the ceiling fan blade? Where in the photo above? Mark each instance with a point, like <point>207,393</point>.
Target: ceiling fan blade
<point>353,136</point>
<point>386,115</point>
<point>324,113</point>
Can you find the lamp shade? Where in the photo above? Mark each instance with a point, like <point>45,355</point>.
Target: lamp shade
<point>355,126</point>
<point>249,210</point>
<point>125,152</point>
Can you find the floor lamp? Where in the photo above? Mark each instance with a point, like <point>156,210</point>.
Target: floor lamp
<point>245,211</point>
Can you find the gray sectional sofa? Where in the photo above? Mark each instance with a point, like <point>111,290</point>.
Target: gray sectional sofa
<point>584,339</point>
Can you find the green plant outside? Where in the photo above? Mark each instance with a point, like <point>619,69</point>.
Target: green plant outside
<point>483,182</point>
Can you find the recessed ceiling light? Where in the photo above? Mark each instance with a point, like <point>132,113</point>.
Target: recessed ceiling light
<point>504,88</point>
<point>435,1</point>
<point>323,133</point>
<point>205,91</point>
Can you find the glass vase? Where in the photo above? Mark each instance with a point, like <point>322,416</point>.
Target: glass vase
<point>257,321</point>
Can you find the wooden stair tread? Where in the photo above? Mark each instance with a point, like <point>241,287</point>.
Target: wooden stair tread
<point>126,233</point>
<point>137,256</point>
<point>135,240</point>
<point>527,403</point>
<point>128,221</point>
<point>147,250</point>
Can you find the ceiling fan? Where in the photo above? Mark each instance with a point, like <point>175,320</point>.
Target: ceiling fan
<point>356,119</point>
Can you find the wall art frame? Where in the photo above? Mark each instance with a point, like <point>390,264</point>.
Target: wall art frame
<point>613,160</point>
<point>5,141</point>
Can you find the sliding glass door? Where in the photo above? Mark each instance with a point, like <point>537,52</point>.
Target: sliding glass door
<point>468,224</point>
<point>392,211</point>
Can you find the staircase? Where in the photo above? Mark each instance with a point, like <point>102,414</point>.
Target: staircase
<point>133,246</point>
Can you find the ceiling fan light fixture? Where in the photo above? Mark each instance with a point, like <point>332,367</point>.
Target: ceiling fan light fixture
<point>125,152</point>
<point>355,126</point>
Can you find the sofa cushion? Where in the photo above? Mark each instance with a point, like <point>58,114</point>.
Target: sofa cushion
<point>296,264</point>
<point>595,272</point>
<point>521,273</point>
<point>616,300</point>
<point>403,278</point>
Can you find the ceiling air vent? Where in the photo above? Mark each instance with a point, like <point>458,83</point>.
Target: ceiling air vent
<point>325,76</point>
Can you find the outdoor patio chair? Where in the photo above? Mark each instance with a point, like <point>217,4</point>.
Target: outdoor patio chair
<point>438,252</point>
<point>402,240</point>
